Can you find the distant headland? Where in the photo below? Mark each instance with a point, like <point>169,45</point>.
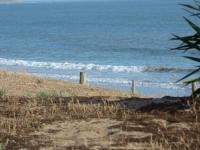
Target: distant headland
<point>8,1</point>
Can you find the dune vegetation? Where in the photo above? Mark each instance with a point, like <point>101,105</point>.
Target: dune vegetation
<point>50,120</point>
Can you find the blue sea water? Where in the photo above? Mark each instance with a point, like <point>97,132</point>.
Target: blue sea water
<point>114,42</point>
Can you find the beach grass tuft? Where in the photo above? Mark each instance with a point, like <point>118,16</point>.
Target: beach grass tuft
<point>48,94</point>
<point>3,92</point>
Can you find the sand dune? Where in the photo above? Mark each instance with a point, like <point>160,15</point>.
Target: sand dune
<point>21,84</point>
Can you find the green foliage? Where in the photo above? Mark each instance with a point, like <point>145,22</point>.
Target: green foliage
<point>2,92</point>
<point>3,145</point>
<point>191,42</point>
<point>46,94</point>
<point>43,94</point>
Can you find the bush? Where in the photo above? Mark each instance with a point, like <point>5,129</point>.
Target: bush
<point>191,42</point>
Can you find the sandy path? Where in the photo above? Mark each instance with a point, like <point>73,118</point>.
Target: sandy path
<point>90,134</point>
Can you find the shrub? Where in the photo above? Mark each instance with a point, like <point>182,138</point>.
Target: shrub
<point>191,42</point>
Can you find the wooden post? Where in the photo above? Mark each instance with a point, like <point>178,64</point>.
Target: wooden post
<point>133,87</point>
<point>82,78</point>
<point>193,87</point>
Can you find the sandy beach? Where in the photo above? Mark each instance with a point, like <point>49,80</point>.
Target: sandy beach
<point>45,114</point>
<point>137,90</point>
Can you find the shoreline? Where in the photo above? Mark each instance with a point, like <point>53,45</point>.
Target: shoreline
<point>20,84</point>
<point>14,82</point>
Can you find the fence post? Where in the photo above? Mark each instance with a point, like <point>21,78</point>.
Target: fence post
<point>133,86</point>
<point>193,87</point>
<point>82,78</point>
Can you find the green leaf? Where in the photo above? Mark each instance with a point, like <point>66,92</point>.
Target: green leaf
<point>194,26</point>
<point>197,92</point>
<point>193,58</point>
<point>192,81</point>
<point>189,42</point>
<point>193,72</point>
<point>190,7</point>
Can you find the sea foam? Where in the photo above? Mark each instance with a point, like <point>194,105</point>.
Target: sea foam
<point>89,66</point>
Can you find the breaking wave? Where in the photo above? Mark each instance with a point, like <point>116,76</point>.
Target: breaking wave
<point>81,66</point>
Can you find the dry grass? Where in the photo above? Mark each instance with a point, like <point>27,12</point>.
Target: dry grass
<point>18,84</point>
<point>22,115</point>
<point>49,101</point>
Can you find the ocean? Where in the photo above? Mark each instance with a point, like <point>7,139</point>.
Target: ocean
<point>114,42</point>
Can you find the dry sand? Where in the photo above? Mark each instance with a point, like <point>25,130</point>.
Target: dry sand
<point>97,134</point>
<point>21,84</point>
<point>91,133</point>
